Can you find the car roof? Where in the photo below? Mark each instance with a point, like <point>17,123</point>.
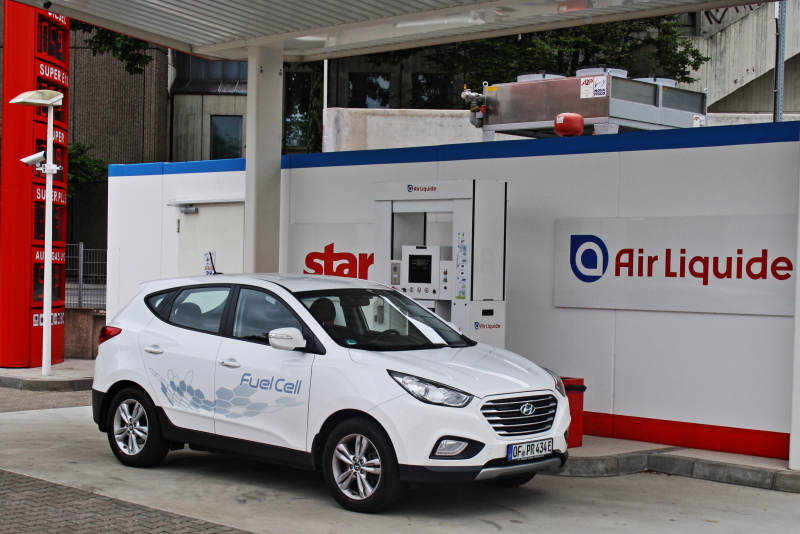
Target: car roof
<point>292,282</point>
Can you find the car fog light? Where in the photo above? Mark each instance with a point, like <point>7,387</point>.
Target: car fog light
<point>450,447</point>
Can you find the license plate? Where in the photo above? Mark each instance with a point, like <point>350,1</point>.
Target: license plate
<point>532,449</point>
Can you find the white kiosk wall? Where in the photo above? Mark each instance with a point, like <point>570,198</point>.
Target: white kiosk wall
<point>664,376</point>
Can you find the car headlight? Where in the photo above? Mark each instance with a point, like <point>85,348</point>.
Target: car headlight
<point>431,392</point>
<point>559,382</point>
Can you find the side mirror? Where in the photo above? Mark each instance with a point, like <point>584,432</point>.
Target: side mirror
<point>286,339</point>
<point>454,326</point>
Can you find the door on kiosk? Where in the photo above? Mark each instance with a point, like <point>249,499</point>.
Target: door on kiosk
<point>261,392</point>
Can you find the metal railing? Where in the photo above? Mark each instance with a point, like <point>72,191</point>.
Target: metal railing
<point>86,277</point>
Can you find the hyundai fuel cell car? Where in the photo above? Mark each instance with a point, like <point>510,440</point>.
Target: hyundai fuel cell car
<point>345,376</point>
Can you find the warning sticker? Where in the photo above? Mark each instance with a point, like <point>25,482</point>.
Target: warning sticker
<point>587,87</point>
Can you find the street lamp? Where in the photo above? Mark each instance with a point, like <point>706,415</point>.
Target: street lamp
<point>50,99</point>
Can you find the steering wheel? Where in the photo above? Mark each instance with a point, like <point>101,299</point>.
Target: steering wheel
<point>389,332</point>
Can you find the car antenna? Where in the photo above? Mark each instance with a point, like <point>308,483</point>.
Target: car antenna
<point>213,268</point>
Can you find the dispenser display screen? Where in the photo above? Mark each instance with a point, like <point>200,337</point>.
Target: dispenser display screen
<point>419,269</point>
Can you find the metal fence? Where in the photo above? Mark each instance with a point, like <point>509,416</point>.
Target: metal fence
<point>86,277</point>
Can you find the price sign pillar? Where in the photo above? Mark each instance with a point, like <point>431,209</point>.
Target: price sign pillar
<point>35,56</point>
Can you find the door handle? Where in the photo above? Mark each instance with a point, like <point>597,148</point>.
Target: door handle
<point>153,349</point>
<point>233,364</point>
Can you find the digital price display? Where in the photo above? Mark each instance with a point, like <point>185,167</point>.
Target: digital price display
<point>59,113</point>
<point>52,40</point>
<point>59,158</point>
<point>59,221</point>
<point>38,282</point>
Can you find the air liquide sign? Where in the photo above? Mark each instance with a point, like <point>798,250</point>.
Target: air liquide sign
<point>743,265</point>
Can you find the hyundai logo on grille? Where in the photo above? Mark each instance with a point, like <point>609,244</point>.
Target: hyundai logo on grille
<point>527,409</point>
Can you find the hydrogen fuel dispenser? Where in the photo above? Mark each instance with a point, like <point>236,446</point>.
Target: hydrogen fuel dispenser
<point>443,244</point>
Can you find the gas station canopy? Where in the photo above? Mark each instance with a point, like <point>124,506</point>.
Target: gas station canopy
<point>318,29</point>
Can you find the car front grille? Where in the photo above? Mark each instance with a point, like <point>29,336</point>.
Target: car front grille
<point>507,420</point>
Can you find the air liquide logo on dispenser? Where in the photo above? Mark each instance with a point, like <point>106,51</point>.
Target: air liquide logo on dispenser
<point>588,257</point>
<point>420,188</point>
<point>482,326</point>
<point>702,264</point>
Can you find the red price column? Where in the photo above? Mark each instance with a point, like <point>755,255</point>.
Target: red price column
<point>35,56</point>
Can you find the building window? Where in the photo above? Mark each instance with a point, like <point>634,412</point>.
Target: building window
<point>296,102</point>
<point>369,90</point>
<point>226,136</point>
<point>431,91</point>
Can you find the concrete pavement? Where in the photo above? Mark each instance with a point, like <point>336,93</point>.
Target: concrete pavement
<point>70,375</point>
<point>64,446</point>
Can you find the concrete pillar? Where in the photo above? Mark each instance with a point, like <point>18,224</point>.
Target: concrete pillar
<point>263,146</point>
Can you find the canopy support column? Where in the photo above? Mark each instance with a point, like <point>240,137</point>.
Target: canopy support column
<point>263,144</point>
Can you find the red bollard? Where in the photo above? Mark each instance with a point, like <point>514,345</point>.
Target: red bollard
<point>575,389</point>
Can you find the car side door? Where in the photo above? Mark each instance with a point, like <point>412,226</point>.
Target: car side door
<point>262,392</point>
<point>179,348</point>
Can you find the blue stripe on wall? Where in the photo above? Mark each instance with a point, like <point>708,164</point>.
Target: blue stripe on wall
<point>625,142</point>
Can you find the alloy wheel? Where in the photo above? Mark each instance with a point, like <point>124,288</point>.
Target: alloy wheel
<point>356,466</point>
<point>130,427</point>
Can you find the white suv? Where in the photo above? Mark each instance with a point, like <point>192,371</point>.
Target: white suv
<point>345,376</point>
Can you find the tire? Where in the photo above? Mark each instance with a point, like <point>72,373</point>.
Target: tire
<point>132,417</point>
<point>512,481</point>
<point>357,447</point>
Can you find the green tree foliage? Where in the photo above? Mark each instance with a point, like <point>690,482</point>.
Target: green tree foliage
<point>84,168</point>
<point>128,50</point>
<point>625,44</point>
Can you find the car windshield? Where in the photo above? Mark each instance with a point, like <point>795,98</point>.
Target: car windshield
<point>377,319</point>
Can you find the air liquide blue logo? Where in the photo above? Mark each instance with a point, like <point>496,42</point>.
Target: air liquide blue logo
<point>410,188</point>
<point>588,257</point>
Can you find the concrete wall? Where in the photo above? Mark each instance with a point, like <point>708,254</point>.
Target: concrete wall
<point>368,129</point>
<point>192,123</point>
<point>743,51</point>
<point>715,370</point>
<point>124,116</point>
<point>758,95</point>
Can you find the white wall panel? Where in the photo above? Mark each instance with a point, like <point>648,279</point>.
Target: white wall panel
<point>727,180</point>
<point>345,194</point>
<point>134,237</point>
<point>715,369</point>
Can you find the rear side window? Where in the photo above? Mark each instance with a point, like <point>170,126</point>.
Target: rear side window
<point>157,302</point>
<point>258,313</point>
<point>200,308</point>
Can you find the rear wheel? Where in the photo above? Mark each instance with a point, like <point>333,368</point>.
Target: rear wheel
<point>360,467</point>
<point>512,481</point>
<point>134,431</point>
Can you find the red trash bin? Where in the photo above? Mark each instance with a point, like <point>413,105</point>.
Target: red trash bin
<point>575,388</point>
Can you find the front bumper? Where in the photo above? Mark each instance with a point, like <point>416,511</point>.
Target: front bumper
<point>415,429</point>
<point>424,474</point>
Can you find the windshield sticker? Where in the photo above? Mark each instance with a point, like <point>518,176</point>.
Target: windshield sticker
<point>230,403</point>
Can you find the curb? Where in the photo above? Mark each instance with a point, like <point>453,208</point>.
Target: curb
<point>38,384</point>
<point>658,462</point>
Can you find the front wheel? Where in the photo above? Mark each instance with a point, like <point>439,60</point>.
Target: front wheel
<point>134,432</point>
<point>360,467</point>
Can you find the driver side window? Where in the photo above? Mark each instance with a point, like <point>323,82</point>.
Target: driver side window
<point>258,313</point>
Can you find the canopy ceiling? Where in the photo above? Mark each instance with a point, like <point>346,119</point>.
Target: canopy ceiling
<point>316,29</point>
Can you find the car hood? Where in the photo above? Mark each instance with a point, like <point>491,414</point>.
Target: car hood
<point>480,370</point>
